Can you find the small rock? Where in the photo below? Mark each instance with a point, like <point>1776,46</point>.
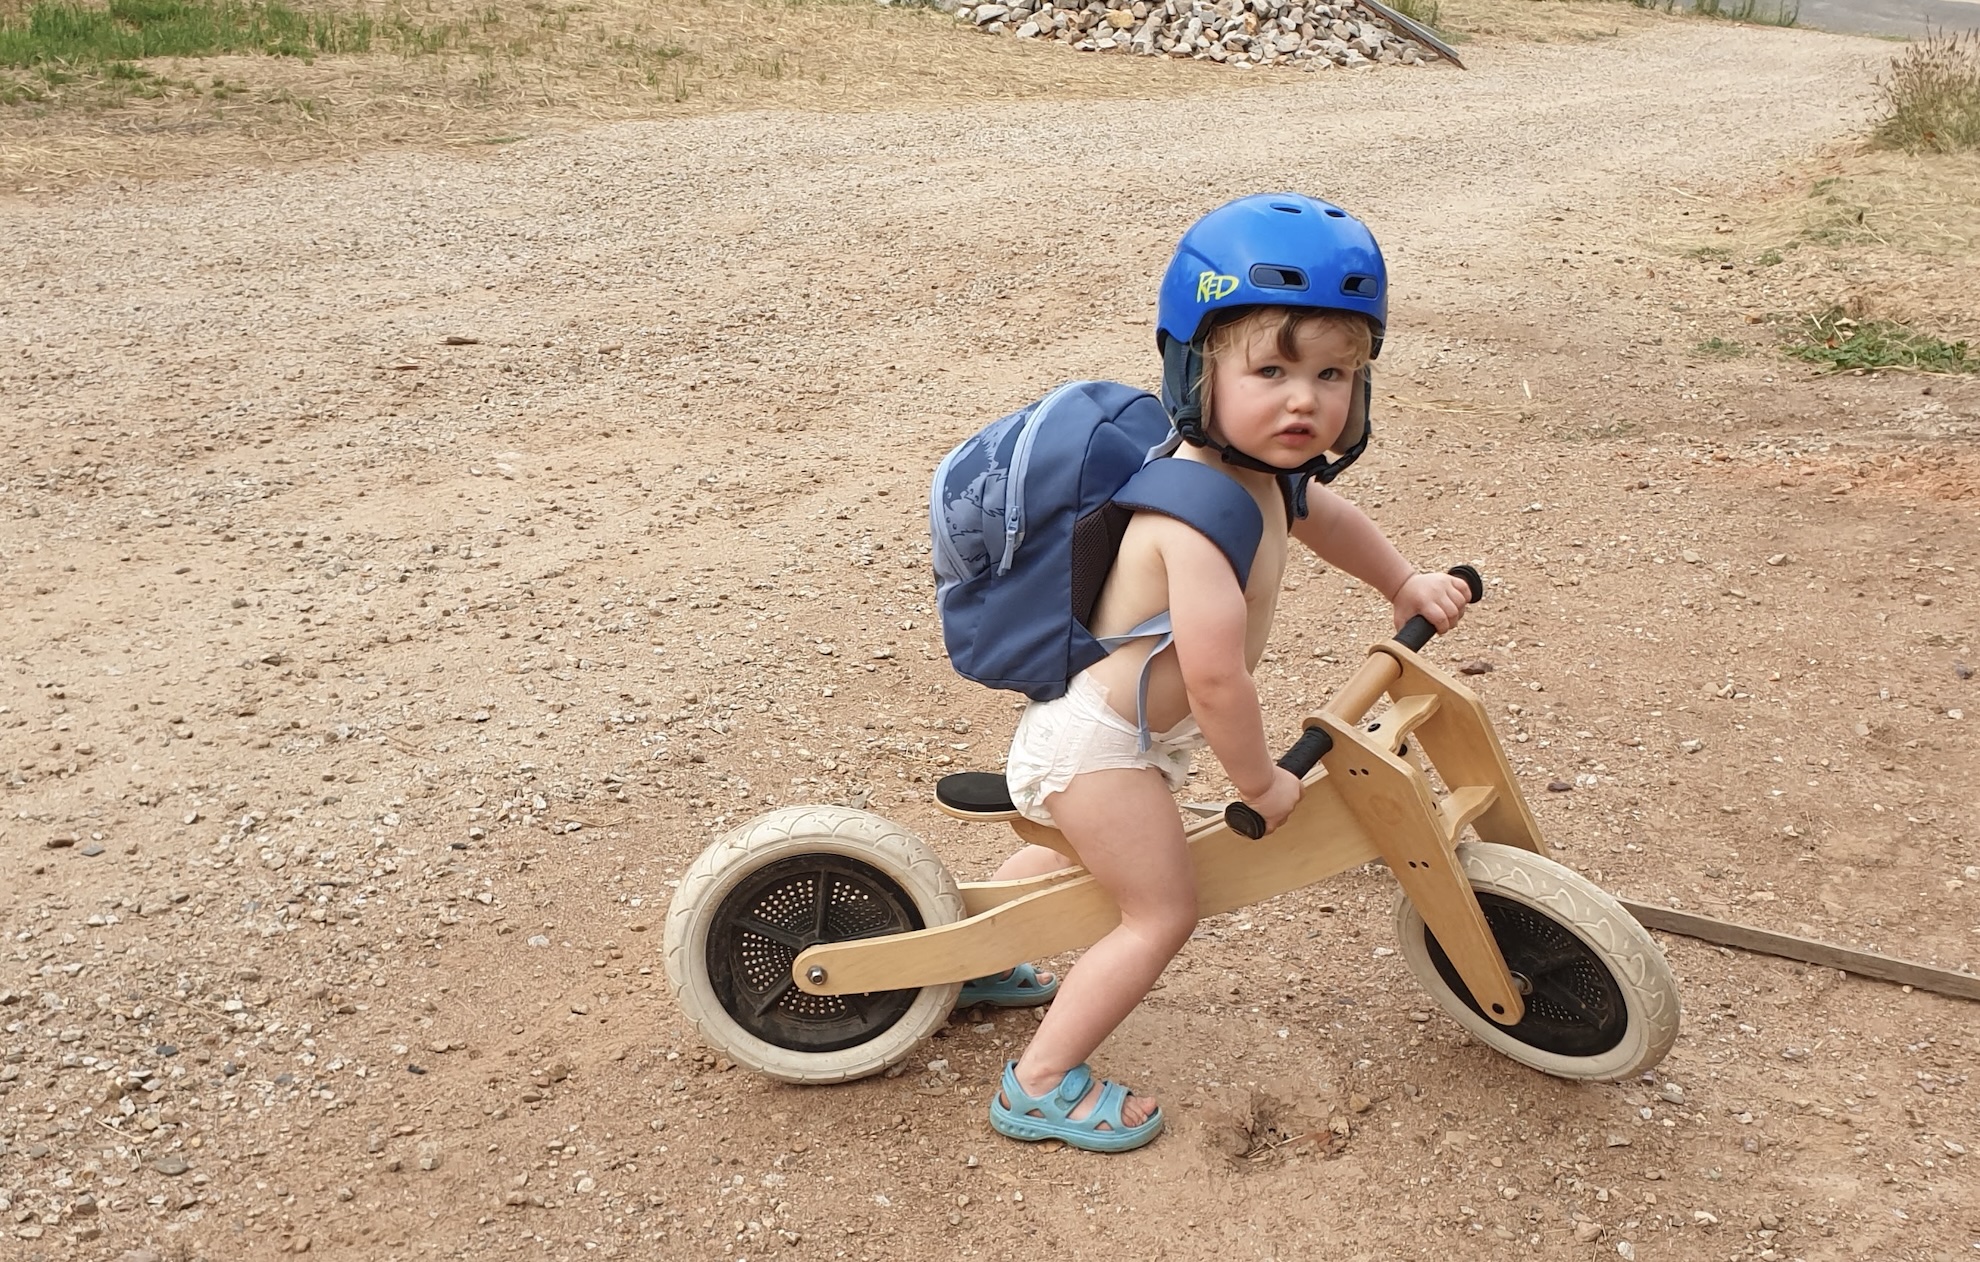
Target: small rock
<point>1691,746</point>
<point>1587,1232</point>
<point>1479,667</point>
<point>554,1072</point>
<point>171,1164</point>
<point>1558,786</point>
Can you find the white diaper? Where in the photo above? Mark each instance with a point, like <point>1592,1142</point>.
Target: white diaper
<point>1079,732</point>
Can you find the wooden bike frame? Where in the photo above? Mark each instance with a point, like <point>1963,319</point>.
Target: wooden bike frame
<point>1369,798</point>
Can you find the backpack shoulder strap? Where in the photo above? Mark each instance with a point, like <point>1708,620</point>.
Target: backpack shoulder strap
<point>1202,498</point>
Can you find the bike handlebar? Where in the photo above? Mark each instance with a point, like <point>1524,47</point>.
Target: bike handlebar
<point>1315,742</point>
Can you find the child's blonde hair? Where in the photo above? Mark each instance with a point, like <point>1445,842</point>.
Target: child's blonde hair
<point>1286,325</point>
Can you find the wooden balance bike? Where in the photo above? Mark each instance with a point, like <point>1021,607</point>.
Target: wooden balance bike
<point>820,944</point>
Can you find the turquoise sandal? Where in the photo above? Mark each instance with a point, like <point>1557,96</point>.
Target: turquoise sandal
<point>1053,1114</point>
<point>1018,988</point>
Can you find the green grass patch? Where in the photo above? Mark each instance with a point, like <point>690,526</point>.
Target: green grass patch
<point>1841,343</point>
<point>1754,12</point>
<point>1428,12</point>
<point>54,32</point>
<point>1720,348</point>
<point>1931,96</point>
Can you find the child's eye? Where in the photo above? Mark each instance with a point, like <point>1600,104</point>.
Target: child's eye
<point>1271,370</point>
<point>1330,374</point>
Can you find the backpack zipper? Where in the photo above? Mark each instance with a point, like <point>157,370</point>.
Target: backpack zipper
<point>1014,479</point>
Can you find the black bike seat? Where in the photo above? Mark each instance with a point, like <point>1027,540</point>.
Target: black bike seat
<point>975,793</point>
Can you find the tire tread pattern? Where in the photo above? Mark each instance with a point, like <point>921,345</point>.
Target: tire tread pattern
<point>780,834</point>
<point>1598,919</point>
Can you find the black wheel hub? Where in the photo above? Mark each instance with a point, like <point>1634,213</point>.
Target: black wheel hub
<point>1573,1005</point>
<point>778,912</point>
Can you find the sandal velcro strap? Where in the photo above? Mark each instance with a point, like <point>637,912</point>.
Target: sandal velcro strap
<point>1071,1089</point>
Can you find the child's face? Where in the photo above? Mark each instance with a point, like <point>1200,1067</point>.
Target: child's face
<point>1284,409</point>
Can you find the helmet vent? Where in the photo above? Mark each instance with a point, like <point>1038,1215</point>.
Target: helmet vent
<point>1267,276</point>
<point>1335,212</point>
<point>1361,286</point>
<point>1290,210</point>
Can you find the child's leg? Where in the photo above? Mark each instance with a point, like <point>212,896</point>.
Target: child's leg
<point>1030,861</point>
<point>1124,824</point>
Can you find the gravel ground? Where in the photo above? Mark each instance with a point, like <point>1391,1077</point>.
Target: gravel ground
<point>411,564</point>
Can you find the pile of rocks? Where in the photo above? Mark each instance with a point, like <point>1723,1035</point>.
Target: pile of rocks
<point>1235,32</point>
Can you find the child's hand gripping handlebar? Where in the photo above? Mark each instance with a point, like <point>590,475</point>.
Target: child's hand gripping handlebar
<point>1314,743</point>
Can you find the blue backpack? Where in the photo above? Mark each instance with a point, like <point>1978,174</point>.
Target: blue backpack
<point>1027,516</point>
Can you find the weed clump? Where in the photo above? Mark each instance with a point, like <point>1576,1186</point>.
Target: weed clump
<point>1931,96</point>
<point>1841,343</point>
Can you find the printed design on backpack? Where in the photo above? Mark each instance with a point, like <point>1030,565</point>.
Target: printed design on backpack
<point>1027,514</point>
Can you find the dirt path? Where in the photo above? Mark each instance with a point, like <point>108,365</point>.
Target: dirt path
<point>367,690</point>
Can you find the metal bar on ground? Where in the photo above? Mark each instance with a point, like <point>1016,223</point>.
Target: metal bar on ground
<point>1416,29</point>
<point>1866,963</point>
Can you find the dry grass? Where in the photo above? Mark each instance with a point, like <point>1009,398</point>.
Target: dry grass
<point>1897,237</point>
<point>541,65</point>
<point>1543,21</point>
<point>1931,95</point>
<point>1870,235</point>
<point>548,64</point>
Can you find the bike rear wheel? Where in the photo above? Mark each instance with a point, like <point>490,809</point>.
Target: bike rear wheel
<point>778,885</point>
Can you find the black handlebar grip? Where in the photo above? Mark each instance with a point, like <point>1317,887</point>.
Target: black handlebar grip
<point>1415,633</point>
<point>1306,752</point>
<point>1314,743</point>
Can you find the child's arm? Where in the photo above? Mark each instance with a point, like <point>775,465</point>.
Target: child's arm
<point>1344,537</point>
<point>1210,620</point>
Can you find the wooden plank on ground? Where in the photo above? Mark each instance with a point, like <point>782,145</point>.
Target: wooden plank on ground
<point>1866,963</point>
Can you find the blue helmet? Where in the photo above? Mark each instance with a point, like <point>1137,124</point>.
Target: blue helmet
<point>1270,249</point>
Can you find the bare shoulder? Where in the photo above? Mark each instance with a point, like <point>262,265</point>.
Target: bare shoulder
<point>1159,538</point>
<point>1187,564</point>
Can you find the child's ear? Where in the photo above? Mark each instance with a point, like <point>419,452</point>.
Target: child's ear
<point>1356,427</point>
